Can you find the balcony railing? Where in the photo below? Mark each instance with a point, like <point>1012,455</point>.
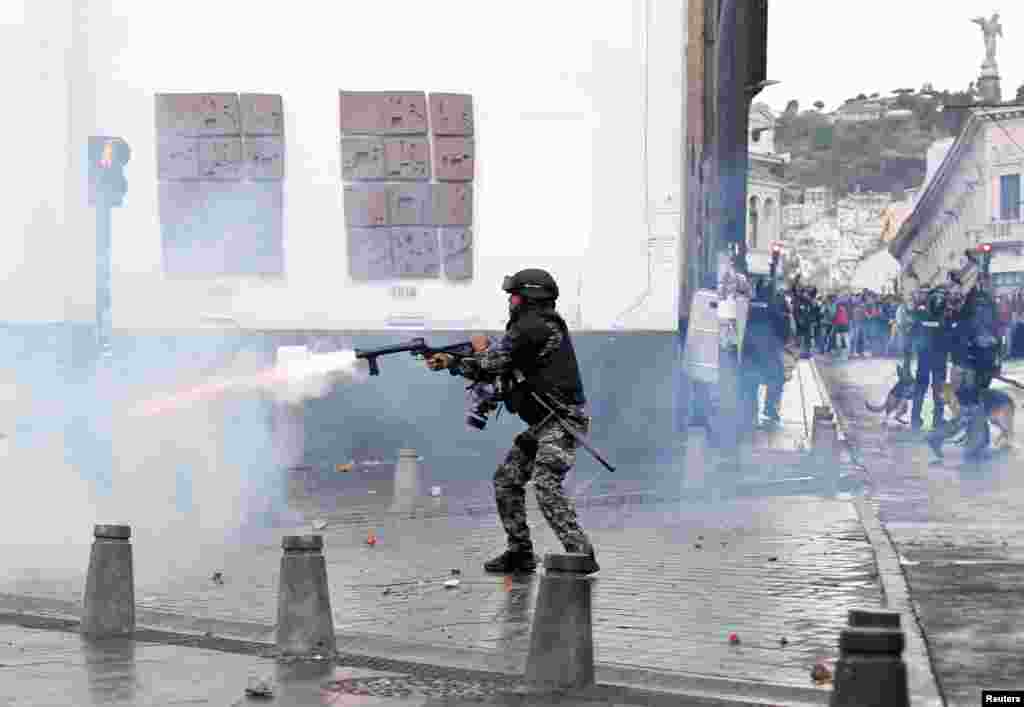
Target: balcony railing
<point>1005,231</point>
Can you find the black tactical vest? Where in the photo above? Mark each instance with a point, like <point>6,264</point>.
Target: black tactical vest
<point>557,373</point>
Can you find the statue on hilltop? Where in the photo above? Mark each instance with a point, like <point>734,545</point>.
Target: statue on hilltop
<point>990,28</point>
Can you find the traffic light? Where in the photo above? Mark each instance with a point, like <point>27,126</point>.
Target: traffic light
<point>107,158</point>
<point>985,251</point>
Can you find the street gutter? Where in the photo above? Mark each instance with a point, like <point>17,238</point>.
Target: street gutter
<point>925,690</point>
<point>615,683</point>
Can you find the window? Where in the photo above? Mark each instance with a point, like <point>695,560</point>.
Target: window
<point>1009,197</point>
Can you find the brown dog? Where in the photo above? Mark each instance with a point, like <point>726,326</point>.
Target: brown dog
<point>898,399</point>
<point>999,408</point>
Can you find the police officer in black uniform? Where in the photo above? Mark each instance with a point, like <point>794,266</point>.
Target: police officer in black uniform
<point>975,350</point>
<point>763,342</point>
<point>535,355</point>
<point>933,332</point>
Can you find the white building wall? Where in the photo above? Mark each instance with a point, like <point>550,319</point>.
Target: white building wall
<point>577,168</point>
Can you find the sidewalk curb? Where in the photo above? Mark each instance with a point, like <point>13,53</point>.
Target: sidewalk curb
<point>615,682</point>
<point>925,689</point>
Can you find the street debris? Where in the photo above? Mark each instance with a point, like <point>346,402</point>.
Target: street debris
<point>371,539</point>
<point>773,558</point>
<point>217,578</point>
<point>698,546</point>
<point>343,468</point>
<point>387,590</point>
<point>508,583</point>
<point>783,641</point>
<point>451,583</point>
<point>456,573</point>
<point>319,524</point>
<point>821,672</point>
<point>435,491</point>
<point>259,687</point>
<point>734,639</point>
<point>700,537</point>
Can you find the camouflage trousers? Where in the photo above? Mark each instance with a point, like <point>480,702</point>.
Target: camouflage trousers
<point>545,454</point>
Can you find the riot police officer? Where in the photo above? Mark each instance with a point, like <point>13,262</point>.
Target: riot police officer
<point>933,343</point>
<point>536,345</point>
<point>763,342</point>
<point>975,351</point>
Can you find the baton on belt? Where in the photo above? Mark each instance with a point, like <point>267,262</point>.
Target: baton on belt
<point>577,435</point>
<point>1010,381</point>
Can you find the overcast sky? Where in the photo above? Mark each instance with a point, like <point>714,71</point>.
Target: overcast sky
<point>831,50</point>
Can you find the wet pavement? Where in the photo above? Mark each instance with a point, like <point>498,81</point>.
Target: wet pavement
<point>959,528</point>
<point>770,550</point>
<point>55,668</point>
<point>675,581</point>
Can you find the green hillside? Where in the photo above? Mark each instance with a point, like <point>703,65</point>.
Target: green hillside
<point>884,155</point>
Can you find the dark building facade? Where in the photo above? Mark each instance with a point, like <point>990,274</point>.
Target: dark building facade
<point>726,59</point>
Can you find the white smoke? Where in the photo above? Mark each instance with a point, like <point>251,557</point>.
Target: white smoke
<point>301,375</point>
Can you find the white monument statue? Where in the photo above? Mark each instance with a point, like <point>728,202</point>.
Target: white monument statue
<point>990,28</point>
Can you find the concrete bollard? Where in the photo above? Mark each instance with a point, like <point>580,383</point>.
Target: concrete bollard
<point>561,638</point>
<point>407,481</point>
<point>824,436</point>
<point>870,671</point>
<point>108,607</point>
<point>305,624</point>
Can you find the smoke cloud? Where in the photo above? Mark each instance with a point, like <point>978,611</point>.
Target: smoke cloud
<point>183,441</point>
<point>300,375</point>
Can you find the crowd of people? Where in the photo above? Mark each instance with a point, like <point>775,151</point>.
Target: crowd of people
<point>867,323</point>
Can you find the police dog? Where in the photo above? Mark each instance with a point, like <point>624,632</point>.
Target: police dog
<point>999,408</point>
<point>898,399</point>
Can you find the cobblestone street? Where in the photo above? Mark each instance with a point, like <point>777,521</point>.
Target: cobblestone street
<point>675,581</point>
<point>959,529</point>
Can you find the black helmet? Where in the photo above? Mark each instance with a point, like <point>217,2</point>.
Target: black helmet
<point>531,283</point>
<point>937,302</point>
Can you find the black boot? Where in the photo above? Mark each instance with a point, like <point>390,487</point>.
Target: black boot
<point>512,561</point>
<point>937,416</point>
<point>976,447</point>
<point>916,422</point>
<point>935,439</point>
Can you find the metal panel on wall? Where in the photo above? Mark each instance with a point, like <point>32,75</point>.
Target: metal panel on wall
<point>220,168</point>
<point>398,229</point>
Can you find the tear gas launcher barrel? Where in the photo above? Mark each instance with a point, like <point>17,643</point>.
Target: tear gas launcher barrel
<point>417,347</point>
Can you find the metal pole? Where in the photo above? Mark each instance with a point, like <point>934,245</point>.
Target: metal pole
<point>102,398</point>
<point>103,268</point>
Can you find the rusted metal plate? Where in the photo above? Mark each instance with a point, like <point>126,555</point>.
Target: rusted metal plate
<point>220,158</point>
<point>383,112</point>
<point>452,205</point>
<point>366,205</point>
<point>457,253</point>
<point>369,254</point>
<point>177,158</point>
<point>453,159</point>
<point>262,114</point>
<point>178,114</point>
<point>409,204</point>
<point>416,252</point>
<point>198,114</point>
<point>362,158</point>
<point>264,157</point>
<point>451,114</point>
<point>407,158</point>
